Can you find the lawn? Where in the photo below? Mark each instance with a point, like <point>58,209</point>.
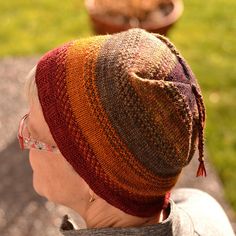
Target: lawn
<point>205,35</point>
<point>28,27</point>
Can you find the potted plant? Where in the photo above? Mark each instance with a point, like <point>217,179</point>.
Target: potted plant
<point>109,16</point>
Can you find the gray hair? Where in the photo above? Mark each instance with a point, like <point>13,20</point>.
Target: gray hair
<point>30,86</point>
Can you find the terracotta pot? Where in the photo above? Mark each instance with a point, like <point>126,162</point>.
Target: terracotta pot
<point>104,24</point>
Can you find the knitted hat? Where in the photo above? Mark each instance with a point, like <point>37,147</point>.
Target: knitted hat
<point>125,111</point>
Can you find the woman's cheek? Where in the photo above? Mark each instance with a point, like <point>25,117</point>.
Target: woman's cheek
<point>44,186</point>
<point>36,160</point>
<point>41,179</point>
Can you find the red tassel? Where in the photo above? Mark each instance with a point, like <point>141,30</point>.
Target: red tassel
<point>167,200</point>
<point>201,169</point>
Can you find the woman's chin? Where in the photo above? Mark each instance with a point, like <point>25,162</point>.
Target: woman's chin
<point>38,187</point>
<point>45,192</point>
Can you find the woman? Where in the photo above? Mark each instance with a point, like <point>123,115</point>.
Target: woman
<point>113,120</point>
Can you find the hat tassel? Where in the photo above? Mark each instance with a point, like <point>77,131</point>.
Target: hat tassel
<point>201,169</point>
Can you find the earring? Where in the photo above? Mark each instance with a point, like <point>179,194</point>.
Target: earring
<point>92,198</point>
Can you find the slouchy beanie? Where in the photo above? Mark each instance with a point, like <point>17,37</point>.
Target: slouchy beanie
<point>126,112</point>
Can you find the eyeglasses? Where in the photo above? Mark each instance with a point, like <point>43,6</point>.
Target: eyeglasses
<point>27,142</point>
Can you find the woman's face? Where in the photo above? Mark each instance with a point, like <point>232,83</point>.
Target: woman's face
<point>53,176</point>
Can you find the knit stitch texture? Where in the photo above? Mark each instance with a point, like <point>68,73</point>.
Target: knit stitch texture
<point>125,111</point>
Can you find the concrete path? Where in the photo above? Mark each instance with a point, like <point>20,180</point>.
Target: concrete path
<point>22,211</point>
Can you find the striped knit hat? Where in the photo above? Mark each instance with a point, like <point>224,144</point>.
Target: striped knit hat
<point>125,111</point>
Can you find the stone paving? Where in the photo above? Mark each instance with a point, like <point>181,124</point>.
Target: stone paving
<point>22,211</point>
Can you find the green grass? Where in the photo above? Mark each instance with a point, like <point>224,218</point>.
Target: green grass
<point>205,35</point>
<point>28,26</point>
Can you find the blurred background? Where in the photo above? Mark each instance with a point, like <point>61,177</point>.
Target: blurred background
<point>204,32</point>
